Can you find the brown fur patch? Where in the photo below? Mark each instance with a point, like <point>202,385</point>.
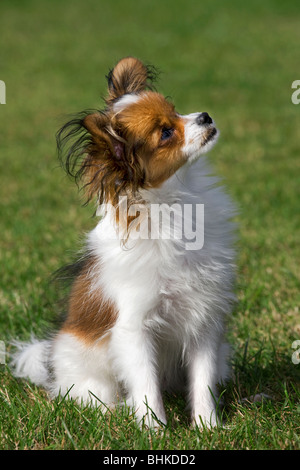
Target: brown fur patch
<point>130,75</point>
<point>120,153</point>
<point>142,123</point>
<point>90,315</point>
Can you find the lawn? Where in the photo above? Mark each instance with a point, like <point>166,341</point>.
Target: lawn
<point>234,59</point>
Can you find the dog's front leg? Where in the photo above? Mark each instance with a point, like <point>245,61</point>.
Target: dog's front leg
<point>203,376</point>
<point>133,357</point>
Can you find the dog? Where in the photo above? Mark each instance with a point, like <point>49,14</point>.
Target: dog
<point>147,307</point>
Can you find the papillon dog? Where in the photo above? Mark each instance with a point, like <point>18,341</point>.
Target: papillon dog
<point>147,306</point>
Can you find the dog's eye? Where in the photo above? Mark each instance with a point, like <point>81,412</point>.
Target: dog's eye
<point>166,133</point>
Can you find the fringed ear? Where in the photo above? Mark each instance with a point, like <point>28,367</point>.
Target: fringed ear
<point>99,157</point>
<point>130,75</point>
<point>77,137</point>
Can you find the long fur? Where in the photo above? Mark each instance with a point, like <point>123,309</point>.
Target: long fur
<point>150,314</point>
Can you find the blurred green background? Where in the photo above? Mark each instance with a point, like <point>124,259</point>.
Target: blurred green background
<point>236,60</point>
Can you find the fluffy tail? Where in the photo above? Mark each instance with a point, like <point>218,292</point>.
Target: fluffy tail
<point>31,361</point>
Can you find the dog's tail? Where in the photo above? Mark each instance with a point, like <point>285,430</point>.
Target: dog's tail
<point>31,361</point>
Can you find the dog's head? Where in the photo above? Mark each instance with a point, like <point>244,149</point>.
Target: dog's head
<point>137,141</point>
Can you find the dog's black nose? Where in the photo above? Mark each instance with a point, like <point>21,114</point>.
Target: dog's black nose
<point>203,118</point>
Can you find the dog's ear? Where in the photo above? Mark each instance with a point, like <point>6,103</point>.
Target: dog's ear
<point>109,167</point>
<point>98,157</point>
<point>103,136</point>
<point>130,75</point>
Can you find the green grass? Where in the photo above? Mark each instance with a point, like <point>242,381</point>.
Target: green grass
<point>235,60</point>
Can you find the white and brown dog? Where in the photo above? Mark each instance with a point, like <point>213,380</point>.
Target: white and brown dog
<point>146,309</point>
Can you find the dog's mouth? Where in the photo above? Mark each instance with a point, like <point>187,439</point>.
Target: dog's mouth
<point>199,137</point>
<point>210,135</point>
